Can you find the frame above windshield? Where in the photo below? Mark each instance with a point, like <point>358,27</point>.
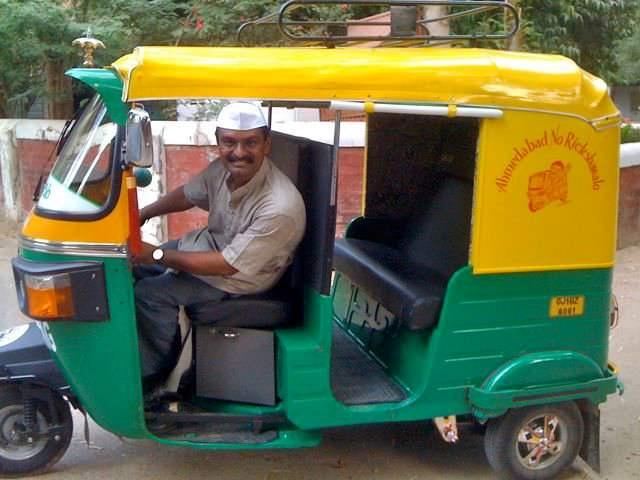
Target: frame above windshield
<point>82,181</point>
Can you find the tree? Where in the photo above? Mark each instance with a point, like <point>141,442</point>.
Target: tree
<point>37,35</point>
<point>29,33</point>
<point>587,31</point>
<point>628,58</point>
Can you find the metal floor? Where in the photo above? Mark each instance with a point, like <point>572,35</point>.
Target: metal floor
<point>357,379</point>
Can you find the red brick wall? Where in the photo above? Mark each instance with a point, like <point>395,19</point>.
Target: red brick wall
<point>184,162</point>
<point>629,207</point>
<point>350,170</point>
<point>32,158</point>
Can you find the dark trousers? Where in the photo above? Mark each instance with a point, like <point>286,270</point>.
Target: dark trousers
<point>159,293</point>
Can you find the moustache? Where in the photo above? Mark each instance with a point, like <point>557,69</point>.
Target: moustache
<point>233,158</point>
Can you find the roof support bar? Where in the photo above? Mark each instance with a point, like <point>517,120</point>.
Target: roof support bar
<point>338,31</point>
<point>451,111</point>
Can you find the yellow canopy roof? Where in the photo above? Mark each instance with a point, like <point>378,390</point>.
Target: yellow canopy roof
<point>449,76</point>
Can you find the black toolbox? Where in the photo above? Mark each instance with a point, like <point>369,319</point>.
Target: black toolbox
<point>236,364</point>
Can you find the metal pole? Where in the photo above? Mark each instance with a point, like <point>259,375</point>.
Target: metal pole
<point>336,150</point>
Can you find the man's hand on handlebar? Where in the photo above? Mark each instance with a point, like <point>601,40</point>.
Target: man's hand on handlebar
<point>144,257</point>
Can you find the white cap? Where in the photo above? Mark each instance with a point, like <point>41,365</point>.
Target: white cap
<point>241,116</point>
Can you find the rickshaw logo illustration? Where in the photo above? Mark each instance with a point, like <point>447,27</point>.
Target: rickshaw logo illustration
<point>549,186</point>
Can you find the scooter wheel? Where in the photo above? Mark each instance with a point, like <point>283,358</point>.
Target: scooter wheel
<point>20,455</point>
<point>534,443</point>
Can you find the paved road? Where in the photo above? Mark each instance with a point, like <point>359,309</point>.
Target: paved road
<point>398,452</point>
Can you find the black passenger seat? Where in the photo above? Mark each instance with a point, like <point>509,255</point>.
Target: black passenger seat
<point>409,276</point>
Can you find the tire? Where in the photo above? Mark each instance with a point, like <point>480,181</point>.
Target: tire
<point>18,457</point>
<point>515,443</point>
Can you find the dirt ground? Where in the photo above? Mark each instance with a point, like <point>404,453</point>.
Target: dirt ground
<point>398,452</point>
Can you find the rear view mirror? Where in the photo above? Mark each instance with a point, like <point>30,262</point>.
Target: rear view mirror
<point>139,151</point>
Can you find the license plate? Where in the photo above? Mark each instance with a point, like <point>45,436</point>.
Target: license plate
<point>567,306</point>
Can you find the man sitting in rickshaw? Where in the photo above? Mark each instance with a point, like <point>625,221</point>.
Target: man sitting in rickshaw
<point>256,221</point>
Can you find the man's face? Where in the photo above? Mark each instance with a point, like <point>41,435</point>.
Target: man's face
<point>242,152</point>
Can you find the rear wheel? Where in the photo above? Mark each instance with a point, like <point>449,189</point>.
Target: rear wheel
<point>534,443</point>
<point>23,452</point>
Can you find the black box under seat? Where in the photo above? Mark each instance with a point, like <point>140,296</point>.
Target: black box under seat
<point>235,364</point>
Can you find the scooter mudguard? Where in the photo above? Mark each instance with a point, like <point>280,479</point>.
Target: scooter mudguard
<point>24,356</point>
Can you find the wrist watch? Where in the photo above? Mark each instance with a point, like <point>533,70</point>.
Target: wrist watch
<point>157,255</point>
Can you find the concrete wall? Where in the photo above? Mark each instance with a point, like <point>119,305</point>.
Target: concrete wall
<point>624,100</point>
<point>629,203</point>
<point>183,150</point>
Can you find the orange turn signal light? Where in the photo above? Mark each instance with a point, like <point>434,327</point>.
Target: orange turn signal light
<point>49,296</point>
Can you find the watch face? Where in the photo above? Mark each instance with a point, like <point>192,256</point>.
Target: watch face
<point>157,254</point>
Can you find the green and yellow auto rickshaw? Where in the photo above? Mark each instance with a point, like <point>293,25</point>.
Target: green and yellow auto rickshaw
<point>476,285</point>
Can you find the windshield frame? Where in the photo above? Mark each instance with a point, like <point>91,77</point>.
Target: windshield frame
<point>115,184</point>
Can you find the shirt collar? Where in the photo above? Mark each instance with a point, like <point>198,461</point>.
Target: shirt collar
<point>255,182</point>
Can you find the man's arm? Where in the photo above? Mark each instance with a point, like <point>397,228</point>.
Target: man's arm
<point>174,201</point>
<point>196,263</point>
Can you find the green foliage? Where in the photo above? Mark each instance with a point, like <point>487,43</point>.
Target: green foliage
<point>30,34</point>
<point>38,32</point>
<point>628,58</point>
<point>584,30</point>
<point>215,22</point>
<point>629,134</point>
<point>125,24</point>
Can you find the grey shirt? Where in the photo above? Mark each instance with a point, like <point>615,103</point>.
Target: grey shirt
<point>257,227</point>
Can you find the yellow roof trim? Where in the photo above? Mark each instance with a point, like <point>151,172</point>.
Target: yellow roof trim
<point>449,75</point>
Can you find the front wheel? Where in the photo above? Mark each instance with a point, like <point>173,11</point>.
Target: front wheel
<point>534,443</point>
<point>27,451</point>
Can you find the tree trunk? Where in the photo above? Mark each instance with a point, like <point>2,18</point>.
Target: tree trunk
<point>517,41</point>
<point>436,28</point>
<point>4,111</point>
<point>59,100</point>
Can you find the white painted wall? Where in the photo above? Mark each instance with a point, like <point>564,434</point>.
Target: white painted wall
<point>9,168</point>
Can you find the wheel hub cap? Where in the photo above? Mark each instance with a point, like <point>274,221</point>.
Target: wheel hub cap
<point>540,442</point>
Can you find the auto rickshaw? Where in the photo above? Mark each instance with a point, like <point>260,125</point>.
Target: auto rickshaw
<point>450,299</point>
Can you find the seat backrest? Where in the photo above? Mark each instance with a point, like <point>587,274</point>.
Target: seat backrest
<point>309,165</point>
<point>439,237</point>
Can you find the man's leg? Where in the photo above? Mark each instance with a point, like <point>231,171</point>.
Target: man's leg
<point>158,299</point>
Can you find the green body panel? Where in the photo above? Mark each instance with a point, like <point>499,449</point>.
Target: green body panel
<point>543,368</point>
<point>286,439</point>
<point>100,360</point>
<point>491,322</point>
<point>534,378</point>
<point>108,85</point>
<point>489,404</point>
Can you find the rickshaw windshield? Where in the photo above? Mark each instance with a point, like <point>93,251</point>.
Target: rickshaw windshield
<point>80,182</point>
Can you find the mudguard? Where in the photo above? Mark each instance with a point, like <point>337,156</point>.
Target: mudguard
<point>24,356</point>
<point>540,378</point>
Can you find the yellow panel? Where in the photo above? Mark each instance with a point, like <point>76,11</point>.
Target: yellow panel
<point>112,229</point>
<point>448,76</point>
<point>547,195</point>
<point>566,306</point>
